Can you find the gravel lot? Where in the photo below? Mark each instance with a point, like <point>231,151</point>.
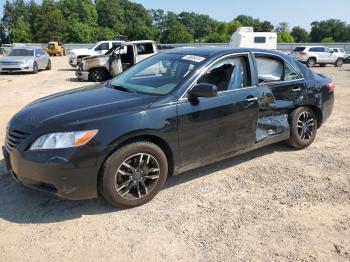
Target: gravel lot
<point>273,204</point>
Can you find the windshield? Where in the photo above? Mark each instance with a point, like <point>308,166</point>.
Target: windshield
<point>22,52</point>
<point>159,74</point>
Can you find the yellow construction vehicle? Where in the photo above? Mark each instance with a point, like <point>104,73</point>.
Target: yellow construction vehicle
<point>55,47</point>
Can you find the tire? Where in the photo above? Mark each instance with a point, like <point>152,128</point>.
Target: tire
<point>303,127</point>
<point>98,74</point>
<point>35,68</point>
<point>339,63</point>
<point>127,181</point>
<point>311,62</point>
<point>48,67</point>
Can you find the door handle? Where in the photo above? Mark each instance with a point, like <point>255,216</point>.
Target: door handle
<point>296,89</point>
<point>252,99</point>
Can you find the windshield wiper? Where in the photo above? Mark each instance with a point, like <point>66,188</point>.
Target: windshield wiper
<point>118,87</point>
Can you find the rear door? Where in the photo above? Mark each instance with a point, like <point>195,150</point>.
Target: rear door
<point>281,85</point>
<point>213,127</point>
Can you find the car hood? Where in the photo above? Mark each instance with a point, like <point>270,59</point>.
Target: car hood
<point>81,105</point>
<point>15,58</point>
<point>82,51</point>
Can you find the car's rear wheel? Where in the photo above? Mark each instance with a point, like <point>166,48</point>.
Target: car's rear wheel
<point>339,63</point>
<point>133,175</point>
<point>98,74</point>
<point>35,68</point>
<point>48,67</point>
<point>311,62</point>
<point>303,128</point>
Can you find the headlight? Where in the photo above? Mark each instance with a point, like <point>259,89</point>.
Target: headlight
<point>63,140</point>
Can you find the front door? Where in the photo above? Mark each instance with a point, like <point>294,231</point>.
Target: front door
<point>212,127</point>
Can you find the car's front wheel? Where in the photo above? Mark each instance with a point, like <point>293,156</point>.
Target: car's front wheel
<point>48,67</point>
<point>339,63</point>
<point>98,74</point>
<point>35,68</point>
<point>133,175</point>
<point>303,127</point>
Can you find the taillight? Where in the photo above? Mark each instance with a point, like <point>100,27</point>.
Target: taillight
<point>302,53</point>
<point>330,87</point>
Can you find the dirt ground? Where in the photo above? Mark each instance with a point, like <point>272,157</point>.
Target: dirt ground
<point>273,204</point>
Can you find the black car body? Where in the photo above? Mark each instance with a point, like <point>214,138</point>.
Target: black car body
<point>219,120</point>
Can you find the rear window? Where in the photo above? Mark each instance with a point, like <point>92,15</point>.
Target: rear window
<point>299,49</point>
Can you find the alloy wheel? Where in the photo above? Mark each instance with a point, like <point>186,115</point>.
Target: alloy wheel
<point>305,125</point>
<point>137,176</point>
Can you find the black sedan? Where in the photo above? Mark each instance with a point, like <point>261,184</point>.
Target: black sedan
<point>173,112</point>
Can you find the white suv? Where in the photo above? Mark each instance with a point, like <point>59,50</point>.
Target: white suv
<point>321,55</point>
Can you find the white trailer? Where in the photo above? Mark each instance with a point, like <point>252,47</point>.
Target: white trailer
<point>247,38</point>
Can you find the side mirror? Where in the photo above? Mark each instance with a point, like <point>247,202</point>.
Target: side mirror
<point>203,90</point>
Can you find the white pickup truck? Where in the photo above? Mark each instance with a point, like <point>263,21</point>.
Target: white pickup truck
<point>76,55</point>
<point>119,58</point>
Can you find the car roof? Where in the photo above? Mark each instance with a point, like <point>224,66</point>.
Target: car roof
<point>218,51</point>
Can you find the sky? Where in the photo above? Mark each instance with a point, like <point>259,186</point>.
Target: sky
<point>295,12</point>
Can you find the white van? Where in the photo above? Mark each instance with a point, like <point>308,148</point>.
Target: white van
<point>247,38</point>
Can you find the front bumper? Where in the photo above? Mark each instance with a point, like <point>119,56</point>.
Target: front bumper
<point>82,75</point>
<point>16,68</point>
<point>69,173</point>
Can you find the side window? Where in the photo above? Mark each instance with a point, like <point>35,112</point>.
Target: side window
<point>103,46</point>
<point>37,52</point>
<point>260,40</point>
<point>327,50</point>
<point>230,73</point>
<point>269,69</point>
<point>335,50</point>
<point>145,49</point>
<point>290,73</point>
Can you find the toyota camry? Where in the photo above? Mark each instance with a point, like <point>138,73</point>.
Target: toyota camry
<point>170,113</point>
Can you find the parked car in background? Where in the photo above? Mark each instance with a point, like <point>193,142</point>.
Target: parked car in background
<point>317,55</point>
<point>116,60</point>
<point>76,55</point>
<point>340,51</point>
<point>25,59</point>
<point>168,114</point>
<point>347,59</point>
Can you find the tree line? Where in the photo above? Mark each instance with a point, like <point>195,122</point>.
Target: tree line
<point>87,21</point>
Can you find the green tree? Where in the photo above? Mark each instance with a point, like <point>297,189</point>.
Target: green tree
<point>258,26</point>
<point>110,14</point>
<point>138,22</point>
<point>20,32</point>
<point>198,25</point>
<point>285,37</point>
<point>51,21</point>
<point>174,31</point>
<point>327,40</point>
<point>330,28</point>
<point>282,27</point>
<point>83,11</point>
<point>300,35</point>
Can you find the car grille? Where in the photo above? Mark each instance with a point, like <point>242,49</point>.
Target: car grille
<point>10,63</point>
<point>14,138</point>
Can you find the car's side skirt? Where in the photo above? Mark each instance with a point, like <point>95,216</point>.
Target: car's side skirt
<point>268,141</point>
